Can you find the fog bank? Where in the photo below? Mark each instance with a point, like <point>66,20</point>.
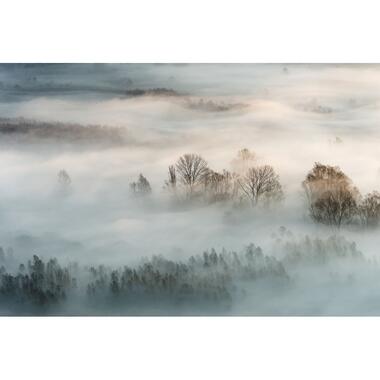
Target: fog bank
<point>105,124</point>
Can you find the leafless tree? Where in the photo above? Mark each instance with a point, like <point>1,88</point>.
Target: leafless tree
<point>63,178</point>
<point>245,159</point>
<point>334,207</point>
<point>261,183</point>
<point>332,198</point>
<point>171,183</point>
<point>64,182</point>
<point>141,187</point>
<point>369,209</point>
<point>220,186</point>
<point>191,170</point>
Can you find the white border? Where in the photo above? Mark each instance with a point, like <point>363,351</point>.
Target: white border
<point>191,31</point>
<point>189,348</point>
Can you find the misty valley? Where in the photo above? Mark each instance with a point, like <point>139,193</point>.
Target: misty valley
<point>189,189</point>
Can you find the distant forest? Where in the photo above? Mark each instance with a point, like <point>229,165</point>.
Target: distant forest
<point>208,283</point>
<point>28,131</point>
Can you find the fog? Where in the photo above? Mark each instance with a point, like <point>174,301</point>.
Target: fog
<point>90,121</point>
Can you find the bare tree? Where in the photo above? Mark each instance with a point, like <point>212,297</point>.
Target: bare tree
<point>369,209</point>
<point>220,186</point>
<point>171,183</point>
<point>191,170</point>
<point>334,207</point>
<point>141,187</point>
<point>64,182</point>
<point>245,159</point>
<point>261,183</point>
<point>64,178</point>
<point>172,176</point>
<point>332,198</point>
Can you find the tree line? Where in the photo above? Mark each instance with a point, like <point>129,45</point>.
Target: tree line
<point>191,179</point>
<point>209,280</point>
<point>331,197</point>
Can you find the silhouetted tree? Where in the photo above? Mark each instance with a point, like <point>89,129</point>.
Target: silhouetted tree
<point>316,250</point>
<point>332,199</point>
<point>64,178</point>
<point>171,182</point>
<point>191,171</point>
<point>141,187</point>
<point>40,284</point>
<point>245,159</point>
<point>335,207</point>
<point>369,209</point>
<point>261,183</point>
<point>220,186</point>
<point>115,286</point>
<point>64,181</point>
<point>208,278</point>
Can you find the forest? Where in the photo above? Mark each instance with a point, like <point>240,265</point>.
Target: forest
<point>211,282</point>
<point>205,284</point>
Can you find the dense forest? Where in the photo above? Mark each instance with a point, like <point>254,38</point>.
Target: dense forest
<point>210,283</point>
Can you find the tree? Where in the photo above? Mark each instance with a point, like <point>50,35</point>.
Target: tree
<point>245,159</point>
<point>220,186</point>
<point>334,207</point>
<point>2,255</point>
<point>369,209</point>
<point>115,283</point>
<point>141,187</point>
<point>64,180</point>
<point>171,183</point>
<point>261,183</point>
<point>192,170</point>
<point>332,198</point>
